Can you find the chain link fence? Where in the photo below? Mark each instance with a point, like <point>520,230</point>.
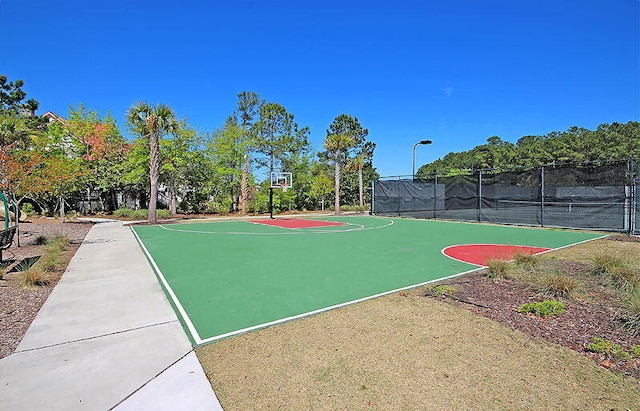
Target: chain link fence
<point>595,196</point>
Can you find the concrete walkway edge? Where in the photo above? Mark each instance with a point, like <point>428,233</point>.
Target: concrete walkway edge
<point>106,338</point>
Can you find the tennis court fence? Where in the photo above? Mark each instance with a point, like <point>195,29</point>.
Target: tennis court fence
<point>597,196</point>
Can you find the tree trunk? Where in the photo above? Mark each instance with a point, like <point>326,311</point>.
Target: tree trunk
<point>243,186</point>
<point>154,171</point>
<point>61,209</point>
<point>337,183</point>
<point>360,188</point>
<point>173,200</point>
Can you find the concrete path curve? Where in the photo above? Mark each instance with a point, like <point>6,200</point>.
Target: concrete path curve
<point>106,338</point>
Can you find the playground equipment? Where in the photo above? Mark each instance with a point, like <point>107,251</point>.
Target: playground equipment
<point>6,235</point>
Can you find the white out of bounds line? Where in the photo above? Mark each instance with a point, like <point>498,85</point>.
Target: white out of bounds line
<point>174,298</point>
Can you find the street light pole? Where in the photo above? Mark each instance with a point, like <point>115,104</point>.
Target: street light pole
<point>413,164</point>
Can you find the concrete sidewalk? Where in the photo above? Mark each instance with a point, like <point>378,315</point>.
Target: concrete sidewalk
<point>106,338</point>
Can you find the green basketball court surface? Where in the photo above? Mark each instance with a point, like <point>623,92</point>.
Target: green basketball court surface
<point>229,277</point>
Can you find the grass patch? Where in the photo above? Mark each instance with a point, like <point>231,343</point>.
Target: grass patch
<point>620,272</point>
<point>140,214</point>
<point>604,262</point>
<point>632,309</point>
<point>34,277</point>
<point>543,308</point>
<point>440,289</point>
<point>37,273</point>
<point>498,269</point>
<point>608,348</point>
<point>558,284</point>
<point>526,261</point>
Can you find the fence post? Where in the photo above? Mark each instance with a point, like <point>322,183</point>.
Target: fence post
<point>373,196</point>
<point>542,196</point>
<point>479,196</point>
<point>632,196</point>
<point>435,198</point>
<point>398,193</point>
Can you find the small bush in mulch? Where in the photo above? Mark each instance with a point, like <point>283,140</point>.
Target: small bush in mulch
<point>591,280</point>
<point>543,308</point>
<point>527,261</point>
<point>498,269</point>
<point>34,277</point>
<point>440,290</point>
<point>558,284</point>
<point>608,348</point>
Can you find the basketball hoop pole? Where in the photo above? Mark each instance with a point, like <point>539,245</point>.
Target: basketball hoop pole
<point>271,202</point>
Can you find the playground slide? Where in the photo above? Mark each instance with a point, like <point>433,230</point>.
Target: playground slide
<point>23,216</point>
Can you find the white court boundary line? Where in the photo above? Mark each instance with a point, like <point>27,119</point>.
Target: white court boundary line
<point>548,250</point>
<point>200,341</point>
<point>172,294</point>
<point>287,231</point>
<point>332,307</point>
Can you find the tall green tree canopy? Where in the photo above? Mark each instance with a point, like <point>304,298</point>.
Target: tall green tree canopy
<point>276,136</point>
<point>614,141</point>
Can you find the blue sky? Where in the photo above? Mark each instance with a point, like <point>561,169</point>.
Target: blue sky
<point>456,72</point>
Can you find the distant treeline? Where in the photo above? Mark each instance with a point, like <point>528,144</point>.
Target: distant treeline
<point>614,141</point>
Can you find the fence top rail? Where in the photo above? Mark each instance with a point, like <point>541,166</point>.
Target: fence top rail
<point>472,171</point>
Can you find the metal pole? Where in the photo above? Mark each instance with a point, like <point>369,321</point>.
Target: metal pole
<point>373,196</point>
<point>480,196</point>
<point>542,196</point>
<point>435,198</point>
<point>271,202</point>
<point>413,162</point>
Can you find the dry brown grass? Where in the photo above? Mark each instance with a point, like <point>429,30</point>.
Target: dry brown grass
<point>405,351</point>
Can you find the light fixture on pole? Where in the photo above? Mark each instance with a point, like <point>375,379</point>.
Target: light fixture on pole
<point>413,168</point>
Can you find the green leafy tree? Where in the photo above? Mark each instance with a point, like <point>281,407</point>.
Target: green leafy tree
<point>184,169</point>
<point>345,135</point>
<point>152,122</point>
<point>276,136</point>
<point>249,104</point>
<point>227,149</point>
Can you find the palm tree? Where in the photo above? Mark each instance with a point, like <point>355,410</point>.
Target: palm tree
<point>152,122</point>
<point>337,145</point>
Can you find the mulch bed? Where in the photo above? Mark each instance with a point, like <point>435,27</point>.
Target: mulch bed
<point>20,305</point>
<point>499,299</point>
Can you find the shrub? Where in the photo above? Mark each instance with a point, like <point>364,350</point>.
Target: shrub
<point>49,262</point>
<point>632,319</point>
<point>40,240</point>
<point>440,289</point>
<point>525,260</point>
<point>625,277</point>
<point>635,350</point>
<point>543,309</point>
<point>123,213</point>
<point>34,276</point>
<point>139,214</point>
<point>603,262</point>
<point>608,348</point>
<point>28,209</point>
<point>558,284</point>
<point>498,268</point>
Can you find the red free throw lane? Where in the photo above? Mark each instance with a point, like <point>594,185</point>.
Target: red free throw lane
<point>296,223</point>
<point>479,254</point>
